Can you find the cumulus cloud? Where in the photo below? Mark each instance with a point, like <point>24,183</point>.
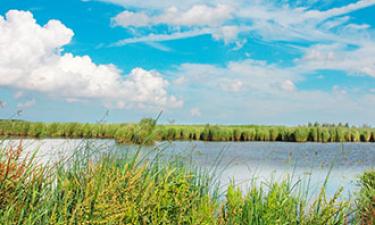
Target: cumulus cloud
<point>32,58</point>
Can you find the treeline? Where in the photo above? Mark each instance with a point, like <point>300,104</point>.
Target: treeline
<point>146,131</point>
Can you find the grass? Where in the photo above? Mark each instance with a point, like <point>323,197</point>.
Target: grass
<point>129,189</point>
<point>146,132</point>
<point>366,198</point>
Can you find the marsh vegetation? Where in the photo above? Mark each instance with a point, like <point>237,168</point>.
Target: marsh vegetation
<point>128,189</point>
<point>146,131</point>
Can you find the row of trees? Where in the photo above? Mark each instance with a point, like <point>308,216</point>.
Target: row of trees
<point>146,131</point>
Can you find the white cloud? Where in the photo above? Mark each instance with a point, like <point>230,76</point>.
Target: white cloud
<point>27,104</point>
<point>268,95</point>
<point>2,104</point>
<point>163,37</point>
<point>336,57</point>
<point>127,18</point>
<point>197,15</point>
<point>195,112</point>
<point>231,85</point>
<point>226,19</point>
<point>332,40</point>
<point>162,4</point>
<point>18,94</point>
<point>337,90</point>
<point>288,85</point>
<point>227,34</point>
<point>159,46</point>
<point>180,80</point>
<point>286,23</point>
<point>339,11</point>
<point>31,58</point>
<point>199,19</point>
<point>247,75</point>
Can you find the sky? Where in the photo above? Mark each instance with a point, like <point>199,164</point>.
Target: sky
<point>198,61</point>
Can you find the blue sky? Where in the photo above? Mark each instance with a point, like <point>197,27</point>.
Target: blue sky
<point>200,61</point>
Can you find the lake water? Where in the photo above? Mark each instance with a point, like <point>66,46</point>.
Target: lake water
<point>244,162</point>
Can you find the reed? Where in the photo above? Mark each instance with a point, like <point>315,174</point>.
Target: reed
<point>129,189</point>
<point>137,133</point>
<point>366,198</point>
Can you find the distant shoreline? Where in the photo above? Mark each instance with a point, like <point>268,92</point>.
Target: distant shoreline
<point>147,131</point>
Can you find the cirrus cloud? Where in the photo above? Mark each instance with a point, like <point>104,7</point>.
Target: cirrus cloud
<point>197,15</point>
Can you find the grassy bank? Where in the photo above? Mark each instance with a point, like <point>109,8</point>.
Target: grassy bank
<point>147,131</point>
<point>127,190</point>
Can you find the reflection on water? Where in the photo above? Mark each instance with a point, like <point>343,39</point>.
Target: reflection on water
<point>242,162</point>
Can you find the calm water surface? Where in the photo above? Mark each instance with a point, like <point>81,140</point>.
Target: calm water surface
<point>244,162</point>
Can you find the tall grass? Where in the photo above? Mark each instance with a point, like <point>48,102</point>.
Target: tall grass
<point>112,190</point>
<point>129,189</point>
<point>139,133</point>
<point>280,205</point>
<point>366,198</point>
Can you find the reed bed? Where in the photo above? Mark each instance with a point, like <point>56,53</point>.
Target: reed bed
<point>146,131</point>
<point>129,189</point>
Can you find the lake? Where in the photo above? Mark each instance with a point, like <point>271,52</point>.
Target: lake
<point>242,162</point>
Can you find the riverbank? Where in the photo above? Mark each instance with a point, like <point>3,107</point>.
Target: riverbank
<point>147,131</point>
<point>115,189</point>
